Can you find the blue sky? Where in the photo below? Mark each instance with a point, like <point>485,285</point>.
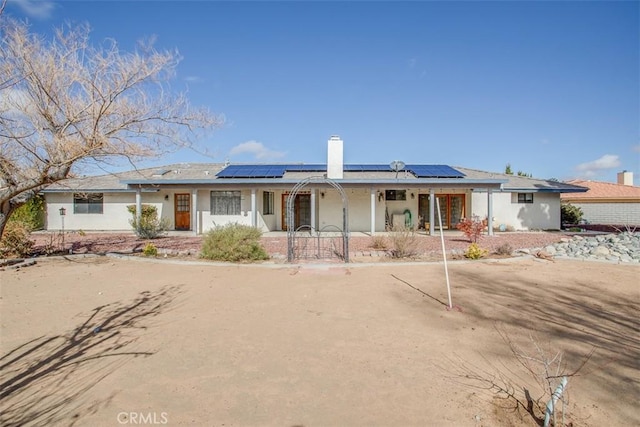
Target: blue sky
<point>551,88</point>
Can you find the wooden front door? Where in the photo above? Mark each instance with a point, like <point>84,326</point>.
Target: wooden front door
<point>452,209</point>
<point>182,205</point>
<point>301,208</point>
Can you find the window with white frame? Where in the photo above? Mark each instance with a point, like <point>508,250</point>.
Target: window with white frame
<point>525,197</point>
<point>267,203</point>
<point>88,203</point>
<point>225,203</point>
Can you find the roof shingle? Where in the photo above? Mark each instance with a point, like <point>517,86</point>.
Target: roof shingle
<point>603,190</point>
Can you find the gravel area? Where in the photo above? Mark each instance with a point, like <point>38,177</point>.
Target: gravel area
<point>361,246</point>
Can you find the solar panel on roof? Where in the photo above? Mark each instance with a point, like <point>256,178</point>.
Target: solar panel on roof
<point>278,171</point>
<point>365,168</point>
<point>434,171</point>
<point>252,171</point>
<point>306,168</point>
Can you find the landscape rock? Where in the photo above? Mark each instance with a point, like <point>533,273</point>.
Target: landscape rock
<point>624,247</point>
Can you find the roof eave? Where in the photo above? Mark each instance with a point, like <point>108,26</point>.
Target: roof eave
<point>280,181</point>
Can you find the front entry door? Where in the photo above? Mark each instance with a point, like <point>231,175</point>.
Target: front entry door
<point>451,208</point>
<point>183,211</point>
<point>301,209</point>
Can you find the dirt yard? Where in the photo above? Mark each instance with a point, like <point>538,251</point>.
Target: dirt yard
<point>101,341</point>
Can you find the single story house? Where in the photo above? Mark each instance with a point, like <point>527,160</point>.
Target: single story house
<point>607,203</point>
<point>367,198</point>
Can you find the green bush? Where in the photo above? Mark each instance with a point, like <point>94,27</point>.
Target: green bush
<point>16,239</point>
<point>30,214</point>
<point>475,252</point>
<point>150,227</point>
<point>233,242</point>
<point>150,250</point>
<point>570,214</point>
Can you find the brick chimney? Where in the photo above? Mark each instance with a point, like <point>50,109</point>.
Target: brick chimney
<point>335,163</point>
<point>625,178</point>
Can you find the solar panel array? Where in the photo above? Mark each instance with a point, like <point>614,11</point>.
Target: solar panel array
<point>278,171</point>
<point>252,171</point>
<point>434,171</point>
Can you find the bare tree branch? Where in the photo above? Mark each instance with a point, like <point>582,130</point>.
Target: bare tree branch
<point>64,102</point>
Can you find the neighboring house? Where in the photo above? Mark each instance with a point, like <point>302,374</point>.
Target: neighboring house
<point>198,197</point>
<point>607,203</point>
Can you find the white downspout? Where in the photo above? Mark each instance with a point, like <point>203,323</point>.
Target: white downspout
<point>490,211</point>
<point>432,208</point>
<point>138,205</point>
<point>254,213</point>
<point>194,210</point>
<point>373,211</point>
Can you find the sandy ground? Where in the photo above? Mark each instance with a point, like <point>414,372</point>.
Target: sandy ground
<point>99,341</point>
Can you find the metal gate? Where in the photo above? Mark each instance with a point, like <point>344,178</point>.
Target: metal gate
<point>306,242</point>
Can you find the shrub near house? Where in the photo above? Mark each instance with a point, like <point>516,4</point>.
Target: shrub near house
<point>233,242</point>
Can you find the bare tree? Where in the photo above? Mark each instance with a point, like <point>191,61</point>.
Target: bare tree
<point>65,103</point>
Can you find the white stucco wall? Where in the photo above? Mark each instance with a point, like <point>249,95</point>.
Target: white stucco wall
<point>542,214</point>
<point>114,217</point>
<point>359,209</point>
<point>610,213</point>
<point>211,221</point>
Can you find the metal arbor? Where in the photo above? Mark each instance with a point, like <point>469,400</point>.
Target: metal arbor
<point>297,245</point>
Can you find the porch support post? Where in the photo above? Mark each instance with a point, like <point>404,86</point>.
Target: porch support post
<point>194,211</point>
<point>254,213</point>
<point>313,210</point>
<point>138,205</point>
<point>490,211</point>
<point>373,210</point>
<point>432,213</point>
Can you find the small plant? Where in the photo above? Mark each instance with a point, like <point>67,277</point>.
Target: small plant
<point>403,242</point>
<point>150,249</point>
<point>150,226</point>
<point>16,239</point>
<point>475,252</point>
<point>504,249</point>
<point>472,228</point>
<point>379,242</point>
<point>233,242</point>
<point>539,388</point>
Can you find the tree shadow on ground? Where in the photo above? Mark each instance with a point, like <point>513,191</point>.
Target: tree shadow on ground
<point>45,380</point>
<point>576,318</point>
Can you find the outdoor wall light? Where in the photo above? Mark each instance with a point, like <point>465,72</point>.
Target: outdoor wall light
<point>380,196</point>
<point>63,212</point>
<point>413,196</point>
<point>166,197</point>
<point>322,194</point>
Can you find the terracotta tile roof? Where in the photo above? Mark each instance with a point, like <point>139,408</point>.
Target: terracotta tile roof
<point>603,190</point>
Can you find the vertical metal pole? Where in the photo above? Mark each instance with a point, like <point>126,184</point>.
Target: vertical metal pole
<point>444,253</point>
